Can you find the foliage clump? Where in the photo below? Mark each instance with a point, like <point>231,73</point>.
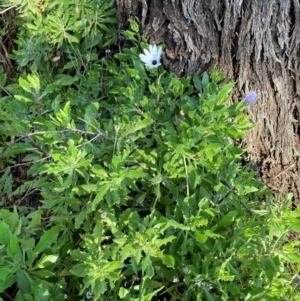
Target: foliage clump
<point>122,183</point>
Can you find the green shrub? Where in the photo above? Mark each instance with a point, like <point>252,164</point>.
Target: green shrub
<point>121,183</point>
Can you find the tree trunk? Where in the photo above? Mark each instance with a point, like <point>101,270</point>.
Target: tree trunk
<point>255,42</point>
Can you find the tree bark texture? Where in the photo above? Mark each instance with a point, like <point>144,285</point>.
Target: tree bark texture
<point>256,43</point>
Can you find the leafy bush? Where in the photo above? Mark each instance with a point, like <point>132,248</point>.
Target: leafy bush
<point>120,183</point>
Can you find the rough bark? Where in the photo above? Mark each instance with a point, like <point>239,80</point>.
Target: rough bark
<point>257,43</point>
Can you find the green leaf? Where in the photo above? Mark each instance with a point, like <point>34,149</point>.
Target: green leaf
<point>46,261</point>
<point>28,244</point>
<point>234,133</point>
<point>99,197</point>
<point>200,237</point>
<point>112,266</point>
<point>35,219</point>
<point>43,274</point>
<point>145,287</point>
<point>80,217</point>
<point>25,85</point>
<point>49,89</point>
<point>90,113</point>
<point>168,260</point>
<point>89,187</point>
<point>164,241</point>
<point>197,82</point>
<point>97,233</point>
<point>5,234</point>
<point>23,297</point>
<point>133,72</point>
<point>293,257</point>
<point>145,284</point>
<point>177,88</point>
<point>22,98</point>
<point>134,25</point>
<point>122,56</point>
<point>79,270</point>
<point>67,110</point>
<point>205,79</point>
<point>140,67</point>
<point>123,292</point>
<point>139,125</point>
<point>24,282</point>
<point>71,39</point>
<point>19,148</point>
<point>66,80</point>
<point>227,219</point>
<point>14,248</point>
<point>129,250</point>
<point>172,223</point>
<point>136,173</point>
<point>46,241</point>
<point>9,280</point>
<point>35,81</point>
<point>249,189</point>
<point>147,266</point>
<point>43,294</point>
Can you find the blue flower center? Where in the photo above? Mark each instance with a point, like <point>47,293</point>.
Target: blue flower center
<point>154,62</point>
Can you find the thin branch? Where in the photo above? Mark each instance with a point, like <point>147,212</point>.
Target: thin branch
<point>89,141</point>
<point>283,171</point>
<point>6,57</point>
<point>232,190</point>
<point>37,146</point>
<point>94,127</point>
<point>27,194</point>
<point>24,164</point>
<point>27,135</point>
<point>117,129</point>
<point>7,9</point>
<point>186,177</point>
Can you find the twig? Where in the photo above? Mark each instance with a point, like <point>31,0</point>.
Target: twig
<point>7,9</point>
<point>283,171</point>
<point>24,164</point>
<point>186,177</point>
<point>21,138</point>
<point>37,146</point>
<point>27,194</point>
<point>89,141</point>
<point>99,132</point>
<point>6,57</point>
<point>232,190</point>
<point>27,135</point>
<point>8,296</point>
<point>117,129</point>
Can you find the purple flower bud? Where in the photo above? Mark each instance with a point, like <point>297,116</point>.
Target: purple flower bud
<point>250,98</point>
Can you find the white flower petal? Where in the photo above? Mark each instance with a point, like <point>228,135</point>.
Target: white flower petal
<point>151,56</point>
<point>159,53</point>
<point>147,53</point>
<point>143,57</point>
<point>153,49</point>
<point>145,60</point>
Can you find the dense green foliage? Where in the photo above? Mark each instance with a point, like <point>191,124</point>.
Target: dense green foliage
<point>122,183</point>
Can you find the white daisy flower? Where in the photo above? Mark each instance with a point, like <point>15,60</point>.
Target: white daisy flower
<point>151,57</point>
